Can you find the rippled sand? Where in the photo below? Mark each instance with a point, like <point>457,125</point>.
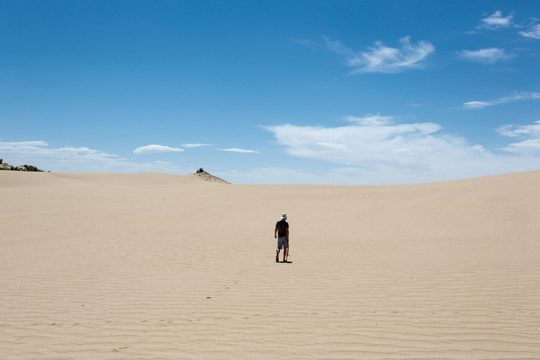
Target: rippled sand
<point>154,266</point>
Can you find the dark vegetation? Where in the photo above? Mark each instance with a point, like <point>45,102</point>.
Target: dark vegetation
<point>5,166</point>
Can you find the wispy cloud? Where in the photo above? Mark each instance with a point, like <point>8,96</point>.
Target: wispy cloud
<point>306,42</point>
<point>373,143</point>
<point>485,56</point>
<point>40,149</point>
<point>477,104</point>
<point>384,59</point>
<point>22,146</point>
<point>533,32</point>
<point>237,150</point>
<point>473,105</point>
<point>370,119</point>
<point>495,21</point>
<point>530,135</point>
<point>70,158</point>
<point>195,145</point>
<point>520,130</point>
<point>155,149</point>
<point>388,152</point>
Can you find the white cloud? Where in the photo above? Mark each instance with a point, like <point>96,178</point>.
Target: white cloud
<point>520,130</point>
<point>243,151</point>
<point>155,149</point>
<point>503,100</point>
<point>477,104</point>
<point>370,119</point>
<point>496,21</point>
<point>42,149</point>
<point>195,145</point>
<point>306,42</point>
<point>485,56</point>
<point>388,153</point>
<point>384,59</point>
<point>367,144</point>
<point>530,135</point>
<point>533,33</point>
<point>531,146</point>
<point>22,146</point>
<point>69,158</point>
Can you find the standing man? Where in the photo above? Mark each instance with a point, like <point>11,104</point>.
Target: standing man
<point>281,233</point>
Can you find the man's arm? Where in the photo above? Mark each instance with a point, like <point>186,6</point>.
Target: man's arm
<point>287,235</point>
<point>275,232</point>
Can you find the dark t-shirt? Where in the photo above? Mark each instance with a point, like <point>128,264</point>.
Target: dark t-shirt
<point>282,227</point>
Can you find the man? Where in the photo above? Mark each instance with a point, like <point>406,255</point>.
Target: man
<point>281,233</point>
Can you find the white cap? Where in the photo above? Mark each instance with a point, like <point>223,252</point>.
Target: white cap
<point>283,216</point>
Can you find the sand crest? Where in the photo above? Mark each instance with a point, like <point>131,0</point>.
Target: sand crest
<point>155,266</point>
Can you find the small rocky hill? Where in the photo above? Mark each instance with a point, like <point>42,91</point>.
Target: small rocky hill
<point>205,176</point>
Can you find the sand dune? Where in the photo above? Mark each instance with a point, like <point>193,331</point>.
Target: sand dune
<point>154,266</point>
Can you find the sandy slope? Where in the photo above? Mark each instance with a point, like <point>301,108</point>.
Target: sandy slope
<point>153,266</point>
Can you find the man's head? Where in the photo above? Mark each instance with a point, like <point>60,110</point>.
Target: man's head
<point>283,216</point>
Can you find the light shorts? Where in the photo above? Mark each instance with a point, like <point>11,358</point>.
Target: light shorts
<point>282,242</point>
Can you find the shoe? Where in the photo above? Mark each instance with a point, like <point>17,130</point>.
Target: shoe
<point>277,258</point>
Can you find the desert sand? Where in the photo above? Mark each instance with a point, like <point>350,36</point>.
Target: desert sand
<point>155,266</point>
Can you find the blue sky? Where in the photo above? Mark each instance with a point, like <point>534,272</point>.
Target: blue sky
<point>324,92</point>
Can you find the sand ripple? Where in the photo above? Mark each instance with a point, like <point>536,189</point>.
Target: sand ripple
<point>109,272</point>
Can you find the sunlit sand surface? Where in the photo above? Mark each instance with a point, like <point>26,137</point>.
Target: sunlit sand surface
<point>154,266</point>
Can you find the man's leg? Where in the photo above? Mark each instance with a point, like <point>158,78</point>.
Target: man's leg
<point>277,255</point>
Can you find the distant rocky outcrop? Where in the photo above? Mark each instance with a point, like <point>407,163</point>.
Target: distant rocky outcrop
<point>205,176</point>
